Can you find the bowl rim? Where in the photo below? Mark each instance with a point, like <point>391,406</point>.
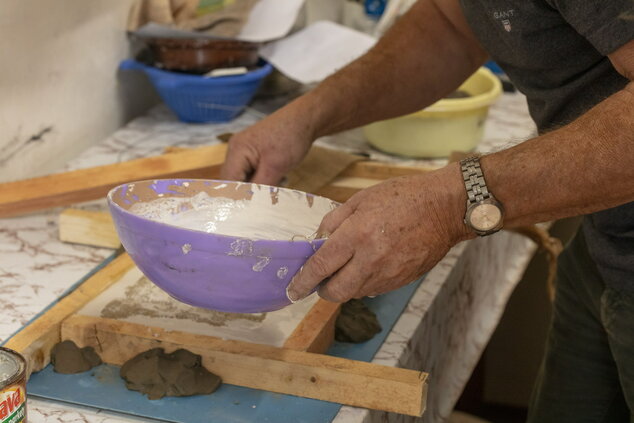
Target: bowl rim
<point>470,103</point>
<point>186,43</point>
<point>264,68</point>
<point>112,203</point>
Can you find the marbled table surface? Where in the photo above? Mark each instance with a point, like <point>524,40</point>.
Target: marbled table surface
<point>443,330</point>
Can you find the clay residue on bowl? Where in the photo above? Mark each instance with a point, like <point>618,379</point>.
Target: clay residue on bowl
<point>262,262</point>
<point>145,191</point>
<point>244,210</point>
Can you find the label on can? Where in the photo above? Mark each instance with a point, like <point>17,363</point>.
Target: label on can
<point>12,404</point>
<point>12,387</point>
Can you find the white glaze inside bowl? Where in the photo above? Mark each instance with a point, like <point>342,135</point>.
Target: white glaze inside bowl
<point>270,213</point>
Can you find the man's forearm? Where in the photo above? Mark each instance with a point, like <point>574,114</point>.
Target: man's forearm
<point>422,58</point>
<point>581,168</point>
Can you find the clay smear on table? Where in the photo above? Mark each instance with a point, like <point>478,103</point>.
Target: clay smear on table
<point>269,214</point>
<point>135,299</point>
<point>141,300</point>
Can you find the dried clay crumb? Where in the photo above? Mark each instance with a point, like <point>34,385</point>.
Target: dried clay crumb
<point>356,323</point>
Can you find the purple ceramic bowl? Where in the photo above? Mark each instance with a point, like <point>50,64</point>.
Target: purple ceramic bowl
<point>226,273</point>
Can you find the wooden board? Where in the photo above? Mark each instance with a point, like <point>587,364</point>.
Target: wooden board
<point>67,188</point>
<point>282,370</point>
<point>82,185</point>
<point>361,175</point>
<point>380,170</point>
<point>93,228</point>
<point>317,331</point>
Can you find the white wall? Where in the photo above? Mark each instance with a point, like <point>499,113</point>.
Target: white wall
<point>60,91</point>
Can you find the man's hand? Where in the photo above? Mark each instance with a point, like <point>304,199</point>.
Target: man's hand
<point>386,236</point>
<point>364,91</point>
<point>266,151</point>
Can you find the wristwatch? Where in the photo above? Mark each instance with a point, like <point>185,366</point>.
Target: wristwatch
<point>485,214</point>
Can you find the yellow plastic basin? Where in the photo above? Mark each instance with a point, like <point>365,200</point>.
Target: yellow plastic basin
<point>445,126</point>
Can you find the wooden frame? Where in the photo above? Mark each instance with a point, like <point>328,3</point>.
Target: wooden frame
<point>282,370</point>
<point>295,369</point>
<point>316,332</point>
<point>95,228</point>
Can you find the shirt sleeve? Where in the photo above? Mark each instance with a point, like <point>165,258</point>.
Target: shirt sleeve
<point>606,24</point>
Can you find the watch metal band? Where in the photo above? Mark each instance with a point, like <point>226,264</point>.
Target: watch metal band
<point>477,190</point>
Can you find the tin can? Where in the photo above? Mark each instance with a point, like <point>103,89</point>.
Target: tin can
<point>12,387</point>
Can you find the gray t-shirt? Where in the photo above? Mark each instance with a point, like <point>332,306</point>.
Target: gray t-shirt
<point>555,52</point>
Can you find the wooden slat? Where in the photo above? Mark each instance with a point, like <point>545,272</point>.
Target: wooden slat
<point>304,374</point>
<point>67,188</point>
<point>35,341</point>
<point>381,170</point>
<point>354,182</point>
<point>93,228</point>
<point>318,168</point>
<point>63,189</point>
<point>361,175</point>
<point>337,193</point>
<point>316,332</point>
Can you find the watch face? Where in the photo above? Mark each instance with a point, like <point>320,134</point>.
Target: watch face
<point>485,217</point>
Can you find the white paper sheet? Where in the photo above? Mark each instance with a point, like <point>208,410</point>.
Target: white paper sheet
<point>269,20</point>
<point>317,51</point>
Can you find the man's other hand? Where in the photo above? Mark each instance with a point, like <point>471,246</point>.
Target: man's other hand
<point>386,236</point>
<point>266,151</point>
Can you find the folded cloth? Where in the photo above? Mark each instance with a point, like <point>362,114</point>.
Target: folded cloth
<point>165,12</point>
<point>227,22</point>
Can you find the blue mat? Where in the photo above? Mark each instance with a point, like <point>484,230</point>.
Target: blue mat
<point>103,388</point>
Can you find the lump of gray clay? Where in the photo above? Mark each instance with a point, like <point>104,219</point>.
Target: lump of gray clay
<point>356,323</point>
<point>68,358</point>
<point>178,374</point>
